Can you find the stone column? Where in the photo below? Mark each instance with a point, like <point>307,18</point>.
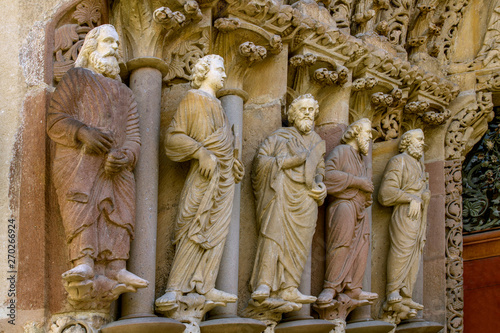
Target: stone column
<point>225,319</point>
<point>138,308</point>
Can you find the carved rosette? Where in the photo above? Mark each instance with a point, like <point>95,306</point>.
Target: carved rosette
<point>454,261</point>
<point>70,33</point>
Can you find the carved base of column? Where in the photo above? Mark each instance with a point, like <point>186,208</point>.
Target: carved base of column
<point>270,311</point>
<point>339,308</point>
<point>84,322</point>
<point>190,310</point>
<point>419,326</point>
<point>369,326</point>
<point>307,325</point>
<point>144,325</point>
<point>405,309</point>
<point>232,325</point>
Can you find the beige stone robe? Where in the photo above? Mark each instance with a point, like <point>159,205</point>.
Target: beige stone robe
<point>404,178</point>
<point>347,224</point>
<point>286,214</point>
<point>205,207</point>
<point>86,194</point>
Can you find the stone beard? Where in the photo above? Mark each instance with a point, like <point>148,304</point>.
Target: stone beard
<point>107,64</point>
<point>286,212</point>
<point>405,181</point>
<point>97,209</point>
<point>202,222</point>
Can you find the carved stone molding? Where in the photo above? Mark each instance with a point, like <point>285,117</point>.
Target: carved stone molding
<point>451,16</point>
<point>462,127</point>
<point>454,239</point>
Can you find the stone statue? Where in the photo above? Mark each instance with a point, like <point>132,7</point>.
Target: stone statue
<point>405,186</point>
<point>347,229</point>
<point>94,123</point>
<point>288,185</point>
<point>200,133</point>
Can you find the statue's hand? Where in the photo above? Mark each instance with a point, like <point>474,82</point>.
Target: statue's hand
<point>318,192</point>
<point>116,161</point>
<point>298,155</point>
<point>208,162</point>
<point>414,211</point>
<point>238,171</point>
<point>365,185</point>
<point>94,140</point>
<point>426,196</point>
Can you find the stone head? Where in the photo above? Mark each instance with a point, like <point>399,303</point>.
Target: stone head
<point>209,71</point>
<point>359,134</point>
<point>302,112</point>
<point>100,51</point>
<point>412,142</point>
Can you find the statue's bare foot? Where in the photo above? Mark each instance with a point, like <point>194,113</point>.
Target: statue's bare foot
<point>216,295</point>
<point>412,304</point>
<point>292,294</point>
<point>326,296</point>
<point>261,293</point>
<point>394,297</point>
<point>169,298</point>
<point>130,279</point>
<point>366,295</point>
<point>79,273</point>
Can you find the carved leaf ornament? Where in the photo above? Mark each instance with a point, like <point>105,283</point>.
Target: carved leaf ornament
<point>69,38</point>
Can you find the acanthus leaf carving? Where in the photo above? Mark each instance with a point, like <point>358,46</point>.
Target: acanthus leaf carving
<point>69,37</point>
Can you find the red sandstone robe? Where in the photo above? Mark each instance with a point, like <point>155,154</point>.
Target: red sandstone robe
<point>403,179</point>
<point>85,192</point>
<point>286,214</point>
<point>347,226</point>
<point>205,207</point>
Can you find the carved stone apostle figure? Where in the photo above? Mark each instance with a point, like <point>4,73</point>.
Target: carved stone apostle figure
<point>347,228</point>
<point>288,185</point>
<point>405,186</point>
<point>200,133</point>
<point>94,122</point>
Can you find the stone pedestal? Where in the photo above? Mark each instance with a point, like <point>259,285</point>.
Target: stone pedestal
<point>305,326</point>
<point>144,325</point>
<point>418,326</point>
<point>369,326</point>
<point>232,325</point>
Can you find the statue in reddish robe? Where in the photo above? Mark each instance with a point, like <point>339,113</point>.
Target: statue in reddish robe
<point>94,123</point>
<point>347,226</point>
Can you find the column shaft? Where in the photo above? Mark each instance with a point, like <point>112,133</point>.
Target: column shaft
<point>146,83</point>
<point>227,280</point>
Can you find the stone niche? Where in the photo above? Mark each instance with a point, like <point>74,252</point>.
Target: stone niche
<point>402,64</point>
